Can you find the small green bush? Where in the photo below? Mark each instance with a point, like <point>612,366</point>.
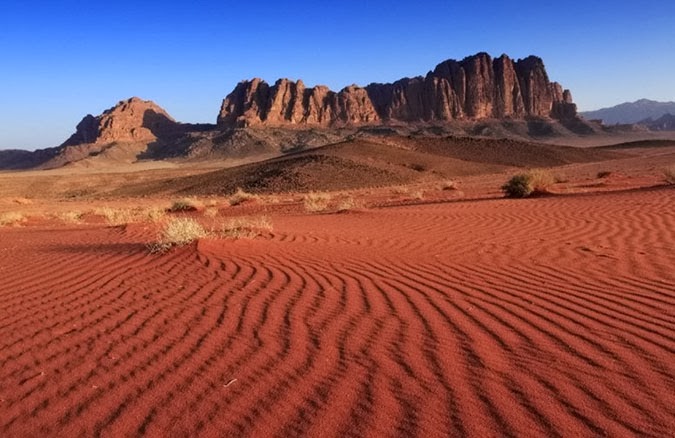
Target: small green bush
<point>528,184</point>
<point>519,186</point>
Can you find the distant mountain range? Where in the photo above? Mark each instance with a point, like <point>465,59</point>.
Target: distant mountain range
<point>477,96</point>
<point>664,123</point>
<point>631,112</point>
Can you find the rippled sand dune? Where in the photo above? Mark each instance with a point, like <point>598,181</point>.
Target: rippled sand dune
<point>538,317</point>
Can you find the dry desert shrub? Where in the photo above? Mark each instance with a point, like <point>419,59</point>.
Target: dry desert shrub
<point>669,174</point>
<point>123,216</point>
<point>518,186</point>
<point>417,195</point>
<point>184,205</point>
<point>240,196</point>
<point>448,185</point>
<point>271,199</point>
<point>245,227</point>
<point>116,216</point>
<point>177,232</point>
<point>154,214</point>
<point>70,217</point>
<point>211,212</point>
<point>400,190</point>
<point>349,203</point>
<point>526,184</point>
<point>541,180</point>
<point>11,218</point>
<point>316,201</point>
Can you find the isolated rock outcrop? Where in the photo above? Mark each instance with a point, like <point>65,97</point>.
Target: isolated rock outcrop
<point>131,120</point>
<point>477,87</point>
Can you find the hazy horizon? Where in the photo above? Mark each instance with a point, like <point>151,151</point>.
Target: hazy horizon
<point>66,60</point>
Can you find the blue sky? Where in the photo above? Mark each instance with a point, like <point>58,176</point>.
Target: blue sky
<point>62,60</point>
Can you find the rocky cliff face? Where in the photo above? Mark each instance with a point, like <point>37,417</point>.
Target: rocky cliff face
<point>131,120</point>
<point>475,88</point>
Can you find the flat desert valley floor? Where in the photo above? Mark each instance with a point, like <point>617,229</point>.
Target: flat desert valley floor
<point>419,310</point>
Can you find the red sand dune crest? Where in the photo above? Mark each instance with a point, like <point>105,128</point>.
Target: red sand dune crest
<point>538,317</point>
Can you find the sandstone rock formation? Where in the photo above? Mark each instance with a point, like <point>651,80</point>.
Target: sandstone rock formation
<point>122,133</point>
<point>477,87</point>
<point>131,120</point>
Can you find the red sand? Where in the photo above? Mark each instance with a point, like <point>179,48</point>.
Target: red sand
<point>538,317</point>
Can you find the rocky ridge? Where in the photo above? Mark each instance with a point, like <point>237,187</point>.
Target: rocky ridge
<point>664,123</point>
<point>477,87</point>
<point>477,96</point>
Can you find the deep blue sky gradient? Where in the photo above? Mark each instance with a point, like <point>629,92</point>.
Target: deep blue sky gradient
<point>61,60</point>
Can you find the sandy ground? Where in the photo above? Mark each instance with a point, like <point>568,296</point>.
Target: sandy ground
<point>460,315</point>
<point>421,311</point>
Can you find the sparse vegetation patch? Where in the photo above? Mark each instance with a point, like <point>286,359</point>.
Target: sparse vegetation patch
<point>448,185</point>
<point>116,216</point>
<point>71,217</point>
<point>417,195</point>
<point>317,201</point>
<point>528,184</point>
<point>240,196</point>
<point>349,203</point>
<point>11,218</point>
<point>245,227</point>
<point>183,205</point>
<point>211,212</point>
<point>177,232</point>
<point>519,186</point>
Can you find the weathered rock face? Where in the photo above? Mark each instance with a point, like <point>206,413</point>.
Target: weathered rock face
<point>131,120</point>
<point>477,87</point>
<point>286,102</point>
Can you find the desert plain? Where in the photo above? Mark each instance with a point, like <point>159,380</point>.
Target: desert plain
<point>350,301</point>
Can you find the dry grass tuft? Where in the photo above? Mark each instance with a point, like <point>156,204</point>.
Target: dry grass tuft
<point>70,217</point>
<point>541,180</point>
<point>154,214</point>
<point>116,216</point>
<point>245,227</point>
<point>240,196</point>
<point>417,195</point>
<point>317,201</point>
<point>123,216</point>
<point>349,203</point>
<point>448,185</point>
<point>177,232</point>
<point>13,218</point>
<point>669,174</point>
<point>211,212</point>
